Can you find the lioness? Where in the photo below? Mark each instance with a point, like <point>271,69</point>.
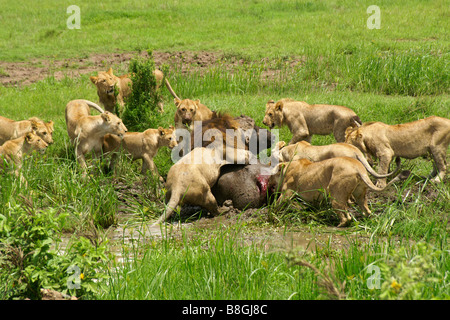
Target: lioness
<point>106,82</point>
<point>141,145</point>
<point>10,129</point>
<point>339,177</point>
<point>12,151</point>
<point>304,149</point>
<point>191,178</point>
<point>189,111</point>
<point>86,131</point>
<point>409,140</point>
<point>304,120</point>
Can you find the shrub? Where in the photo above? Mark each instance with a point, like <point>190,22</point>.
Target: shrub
<point>141,107</point>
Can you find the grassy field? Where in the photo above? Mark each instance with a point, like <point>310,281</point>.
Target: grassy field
<point>316,51</point>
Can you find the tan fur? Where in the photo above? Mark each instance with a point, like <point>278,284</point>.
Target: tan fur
<point>409,140</point>
<point>339,177</point>
<point>86,132</point>
<point>141,145</point>
<point>106,82</point>
<point>12,151</point>
<point>189,111</point>
<point>305,120</point>
<point>189,181</point>
<point>304,150</point>
<point>10,129</point>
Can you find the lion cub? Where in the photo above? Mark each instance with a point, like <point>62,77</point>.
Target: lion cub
<point>339,177</point>
<point>10,129</point>
<point>409,140</point>
<point>86,132</point>
<point>304,150</point>
<point>191,178</point>
<point>189,111</point>
<point>305,120</point>
<point>12,151</point>
<point>107,82</point>
<point>141,145</point>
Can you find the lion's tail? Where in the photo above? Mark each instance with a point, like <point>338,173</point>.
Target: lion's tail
<point>169,87</point>
<point>376,174</point>
<point>93,105</point>
<point>170,208</point>
<point>401,176</point>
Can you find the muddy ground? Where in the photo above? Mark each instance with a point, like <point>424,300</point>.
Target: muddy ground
<point>28,72</point>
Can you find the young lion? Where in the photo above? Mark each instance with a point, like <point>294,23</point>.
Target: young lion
<point>191,178</point>
<point>304,120</point>
<point>189,111</point>
<point>106,82</point>
<point>10,129</point>
<point>339,177</point>
<point>409,140</point>
<point>304,150</point>
<point>86,131</point>
<point>141,145</point>
<point>12,151</point>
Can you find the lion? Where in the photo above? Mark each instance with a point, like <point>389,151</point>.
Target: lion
<point>189,111</point>
<point>305,120</point>
<point>12,151</point>
<point>189,181</point>
<point>86,132</point>
<point>141,145</point>
<point>10,129</point>
<point>409,140</point>
<point>106,83</point>
<point>304,150</point>
<point>339,177</point>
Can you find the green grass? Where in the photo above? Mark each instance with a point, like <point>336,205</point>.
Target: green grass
<point>323,53</point>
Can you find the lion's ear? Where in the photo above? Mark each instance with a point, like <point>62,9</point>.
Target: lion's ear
<point>93,79</point>
<point>105,116</point>
<point>279,106</point>
<point>197,102</point>
<point>110,71</point>
<point>270,101</point>
<point>177,101</point>
<point>171,127</point>
<point>34,125</point>
<point>348,131</point>
<point>280,145</point>
<point>29,136</point>
<point>161,131</point>
<point>50,125</point>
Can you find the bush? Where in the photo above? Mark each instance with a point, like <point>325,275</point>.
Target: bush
<point>141,108</point>
<point>30,262</point>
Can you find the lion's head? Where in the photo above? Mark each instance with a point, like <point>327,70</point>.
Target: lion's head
<point>168,137</point>
<point>35,142</point>
<point>114,124</point>
<point>186,110</point>
<point>42,129</point>
<point>354,137</point>
<point>274,114</point>
<point>105,82</point>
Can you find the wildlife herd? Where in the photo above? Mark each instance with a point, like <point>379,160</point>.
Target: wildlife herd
<point>206,174</point>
